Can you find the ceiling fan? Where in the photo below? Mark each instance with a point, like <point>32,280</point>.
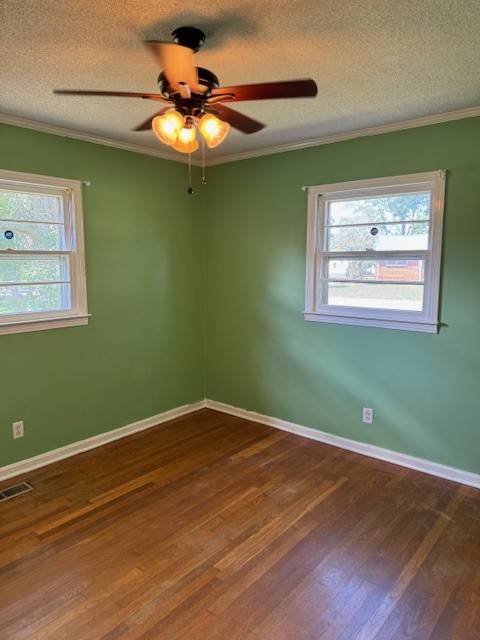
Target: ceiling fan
<point>195,98</point>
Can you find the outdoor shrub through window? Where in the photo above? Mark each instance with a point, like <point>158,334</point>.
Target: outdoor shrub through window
<point>374,252</point>
<point>42,277</point>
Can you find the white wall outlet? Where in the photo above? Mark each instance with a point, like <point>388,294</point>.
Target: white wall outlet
<point>367,415</point>
<point>17,429</point>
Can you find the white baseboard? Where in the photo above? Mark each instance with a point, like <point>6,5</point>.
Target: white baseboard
<point>402,459</point>
<point>24,466</point>
<point>387,455</point>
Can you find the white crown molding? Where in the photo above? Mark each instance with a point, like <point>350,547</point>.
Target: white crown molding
<point>370,450</point>
<point>25,123</point>
<point>459,114</point>
<point>24,466</point>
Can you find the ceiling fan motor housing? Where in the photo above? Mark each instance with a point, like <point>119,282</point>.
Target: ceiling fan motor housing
<point>205,78</point>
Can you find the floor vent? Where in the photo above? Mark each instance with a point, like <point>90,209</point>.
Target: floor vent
<point>17,490</point>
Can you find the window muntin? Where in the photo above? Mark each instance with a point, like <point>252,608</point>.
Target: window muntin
<point>42,272</point>
<point>374,252</point>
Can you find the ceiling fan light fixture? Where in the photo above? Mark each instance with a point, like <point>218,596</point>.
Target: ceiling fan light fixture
<point>213,130</point>
<point>186,141</point>
<point>168,127</point>
<point>190,92</point>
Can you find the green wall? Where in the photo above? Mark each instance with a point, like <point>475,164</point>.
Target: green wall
<point>143,349</point>
<point>261,354</point>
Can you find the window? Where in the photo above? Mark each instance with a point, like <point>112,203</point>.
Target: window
<point>373,252</point>
<point>42,270</point>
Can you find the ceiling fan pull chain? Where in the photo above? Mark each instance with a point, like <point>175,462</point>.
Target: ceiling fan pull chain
<point>204,179</point>
<point>190,188</point>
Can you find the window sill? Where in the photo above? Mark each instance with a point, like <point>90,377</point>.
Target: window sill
<point>403,325</point>
<point>43,324</point>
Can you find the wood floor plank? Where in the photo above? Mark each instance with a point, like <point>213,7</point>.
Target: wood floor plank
<point>211,527</point>
<point>371,629</point>
<point>326,590</point>
<point>265,536</point>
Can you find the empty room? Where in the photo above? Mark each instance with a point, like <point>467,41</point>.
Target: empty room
<point>239,303</point>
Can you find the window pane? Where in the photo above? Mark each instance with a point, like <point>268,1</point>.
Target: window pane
<point>34,298</point>
<point>30,237</point>
<point>392,237</point>
<point>376,270</point>
<point>412,206</point>
<point>404,297</point>
<point>33,269</point>
<point>30,206</point>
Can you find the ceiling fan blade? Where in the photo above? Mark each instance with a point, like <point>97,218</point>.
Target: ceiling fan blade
<point>306,88</point>
<point>236,119</point>
<point>114,94</point>
<point>176,61</point>
<point>147,125</point>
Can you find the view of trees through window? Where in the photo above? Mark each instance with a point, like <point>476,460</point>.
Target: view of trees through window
<point>384,224</point>
<point>31,281</point>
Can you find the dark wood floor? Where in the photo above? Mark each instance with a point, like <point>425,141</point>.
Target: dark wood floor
<point>211,527</point>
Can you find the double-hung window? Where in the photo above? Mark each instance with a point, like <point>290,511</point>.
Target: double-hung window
<point>374,252</point>
<point>42,269</point>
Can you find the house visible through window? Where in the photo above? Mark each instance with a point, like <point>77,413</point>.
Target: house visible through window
<point>373,252</point>
<point>42,272</point>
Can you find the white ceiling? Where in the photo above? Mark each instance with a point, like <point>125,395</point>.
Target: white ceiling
<point>375,61</point>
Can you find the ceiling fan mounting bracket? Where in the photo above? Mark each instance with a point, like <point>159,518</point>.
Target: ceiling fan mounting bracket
<point>189,37</point>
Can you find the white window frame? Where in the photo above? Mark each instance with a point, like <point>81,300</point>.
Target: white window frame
<point>318,199</point>
<point>71,192</point>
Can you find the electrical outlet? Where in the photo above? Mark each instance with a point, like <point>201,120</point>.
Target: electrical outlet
<point>17,429</point>
<point>367,415</point>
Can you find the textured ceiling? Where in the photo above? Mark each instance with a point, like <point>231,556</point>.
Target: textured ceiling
<point>375,61</point>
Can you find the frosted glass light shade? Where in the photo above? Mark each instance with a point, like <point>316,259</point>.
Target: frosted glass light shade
<point>186,141</point>
<point>168,126</point>
<point>213,130</point>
